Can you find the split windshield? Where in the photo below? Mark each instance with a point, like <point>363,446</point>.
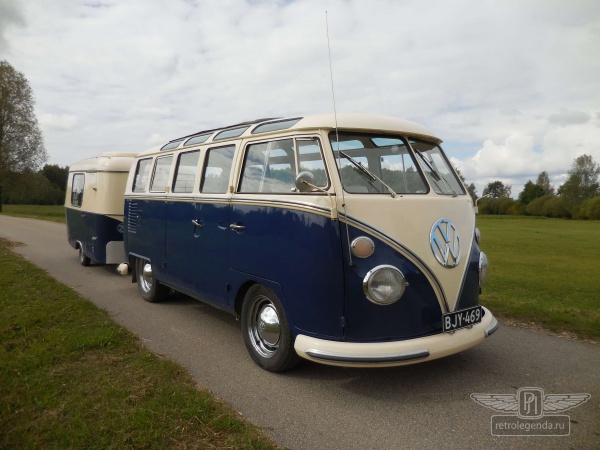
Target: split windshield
<point>387,162</point>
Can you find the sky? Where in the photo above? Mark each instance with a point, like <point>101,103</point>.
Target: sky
<point>512,87</point>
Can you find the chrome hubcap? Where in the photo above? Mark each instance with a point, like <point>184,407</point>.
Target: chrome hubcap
<point>147,277</point>
<point>265,328</point>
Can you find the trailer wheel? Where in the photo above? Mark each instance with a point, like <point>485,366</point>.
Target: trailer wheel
<point>266,331</point>
<point>83,260</point>
<point>150,288</point>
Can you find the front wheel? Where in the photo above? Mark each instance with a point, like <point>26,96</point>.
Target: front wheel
<point>150,288</point>
<point>266,331</point>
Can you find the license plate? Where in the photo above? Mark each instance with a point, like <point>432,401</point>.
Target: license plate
<point>461,319</point>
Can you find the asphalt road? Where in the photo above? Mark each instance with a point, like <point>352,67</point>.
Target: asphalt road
<point>420,406</point>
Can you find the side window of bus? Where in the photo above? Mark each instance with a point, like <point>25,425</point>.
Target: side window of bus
<point>269,167</point>
<point>215,178</point>
<point>142,175</point>
<point>77,189</point>
<point>185,172</point>
<point>310,160</point>
<point>162,170</point>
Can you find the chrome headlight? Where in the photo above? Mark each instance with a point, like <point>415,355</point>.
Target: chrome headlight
<point>477,236</point>
<point>483,268</point>
<point>384,285</point>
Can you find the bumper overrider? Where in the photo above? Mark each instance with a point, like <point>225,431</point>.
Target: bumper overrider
<point>397,353</point>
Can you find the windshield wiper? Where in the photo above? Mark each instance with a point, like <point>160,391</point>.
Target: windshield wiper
<point>367,173</point>
<point>435,175</point>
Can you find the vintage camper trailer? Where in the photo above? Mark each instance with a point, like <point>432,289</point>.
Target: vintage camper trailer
<point>94,207</point>
<point>346,240</point>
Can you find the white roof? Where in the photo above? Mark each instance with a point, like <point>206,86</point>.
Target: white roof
<point>105,162</point>
<point>356,122</point>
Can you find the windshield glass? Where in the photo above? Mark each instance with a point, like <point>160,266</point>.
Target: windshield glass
<point>381,156</point>
<point>437,168</point>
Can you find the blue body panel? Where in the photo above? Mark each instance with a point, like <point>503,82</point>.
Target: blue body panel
<point>301,251</point>
<point>416,314</point>
<point>298,252</point>
<point>196,255</point>
<point>93,231</point>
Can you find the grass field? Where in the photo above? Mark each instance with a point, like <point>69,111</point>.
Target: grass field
<point>71,378</point>
<point>545,271</point>
<point>54,213</point>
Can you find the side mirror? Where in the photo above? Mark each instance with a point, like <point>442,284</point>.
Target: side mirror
<point>305,182</point>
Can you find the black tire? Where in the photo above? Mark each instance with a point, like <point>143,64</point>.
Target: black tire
<point>150,288</point>
<point>266,331</point>
<point>84,260</point>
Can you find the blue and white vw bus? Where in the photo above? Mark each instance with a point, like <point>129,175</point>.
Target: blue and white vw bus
<point>343,240</point>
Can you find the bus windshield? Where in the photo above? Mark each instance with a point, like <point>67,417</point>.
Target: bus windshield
<point>393,165</point>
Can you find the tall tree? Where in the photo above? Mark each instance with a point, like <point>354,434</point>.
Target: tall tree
<point>497,189</point>
<point>543,180</point>
<point>530,192</point>
<point>21,141</point>
<point>582,182</point>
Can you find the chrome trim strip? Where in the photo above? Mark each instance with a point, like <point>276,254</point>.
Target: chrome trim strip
<point>370,359</point>
<point>491,330</point>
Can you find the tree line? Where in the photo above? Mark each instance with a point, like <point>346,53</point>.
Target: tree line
<point>577,198</point>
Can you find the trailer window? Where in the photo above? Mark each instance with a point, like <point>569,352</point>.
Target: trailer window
<point>215,179</point>
<point>162,171</point>
<point>77,189</point>
<point>142,174</point>
<point>185,172</point>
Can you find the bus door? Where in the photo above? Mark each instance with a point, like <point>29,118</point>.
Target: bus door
<point>287,237</point>
<point>197,227</point>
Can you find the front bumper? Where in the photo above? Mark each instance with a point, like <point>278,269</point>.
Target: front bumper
<point>397,353</point>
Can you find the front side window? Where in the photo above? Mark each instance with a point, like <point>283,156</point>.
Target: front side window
<point>142,175</point>
<point>162,171</point>
<point>185,172</point>
<point>77,189</point>
<point>217,169</point>
<point>273,166</point>
<point>367,160</point>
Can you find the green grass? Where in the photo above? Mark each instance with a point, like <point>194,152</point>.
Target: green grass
<point>54,213</point>
<point>71,378</point>
<point>545,271</point>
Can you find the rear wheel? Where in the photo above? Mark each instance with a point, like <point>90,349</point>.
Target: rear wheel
<point>150,288</point>
<point>83,260</point>
<point>266,331</point>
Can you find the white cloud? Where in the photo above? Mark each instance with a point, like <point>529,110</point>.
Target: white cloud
<point>512,89</point>
<point>54,122</point>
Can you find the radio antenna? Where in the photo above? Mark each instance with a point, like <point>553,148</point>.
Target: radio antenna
<point>331,76</point>
<point>337,142</point>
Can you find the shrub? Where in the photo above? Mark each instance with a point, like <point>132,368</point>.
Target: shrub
<point>556,207</point>
<point>590,209</point>
<point>536,206</point>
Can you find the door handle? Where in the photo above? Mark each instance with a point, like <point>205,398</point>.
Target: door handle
<point>198,223</point>
<point>236,227</point>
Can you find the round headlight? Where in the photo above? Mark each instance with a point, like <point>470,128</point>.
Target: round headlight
<point>483,268</point>
<point>384,285</point>
<point>477,235</point>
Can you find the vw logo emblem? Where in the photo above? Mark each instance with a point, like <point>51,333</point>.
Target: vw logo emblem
<point>445,243</point>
